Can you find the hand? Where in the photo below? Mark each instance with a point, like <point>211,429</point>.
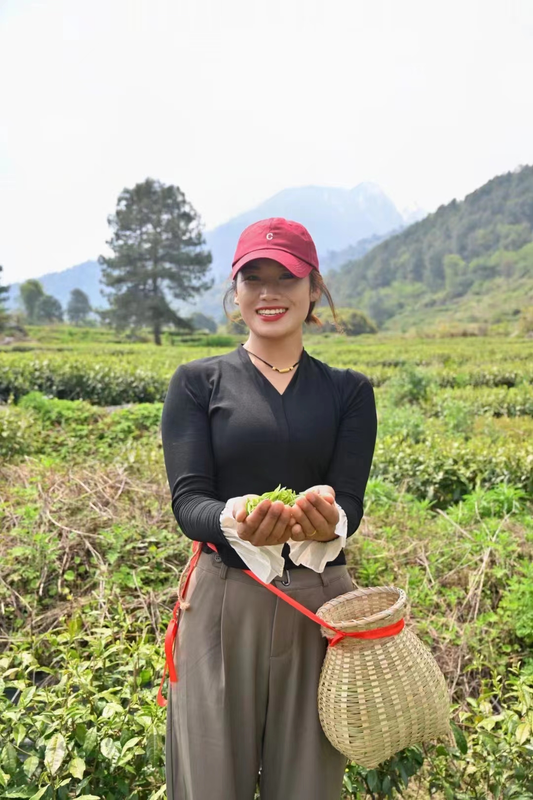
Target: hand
<point>315,512</point>
<point>268,524</point>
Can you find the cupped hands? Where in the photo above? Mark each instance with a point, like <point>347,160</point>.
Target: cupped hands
<point>313,517</point>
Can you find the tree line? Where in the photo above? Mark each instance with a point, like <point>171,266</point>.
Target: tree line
<point>157,256</point>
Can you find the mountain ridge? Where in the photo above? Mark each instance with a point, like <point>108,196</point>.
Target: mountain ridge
<point>469,261</point>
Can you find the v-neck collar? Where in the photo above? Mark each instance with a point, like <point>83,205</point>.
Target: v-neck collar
<point>245,358</point>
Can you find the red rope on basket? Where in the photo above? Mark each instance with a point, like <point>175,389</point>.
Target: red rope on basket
<point>172,630</point>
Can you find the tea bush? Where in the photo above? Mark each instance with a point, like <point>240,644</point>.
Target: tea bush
<point>90,726</point>
<point>516,608</point>
<point>113,373</point>
<point>90,556</point>
<point>411,385</point>
<point>17,433</point>
<point>443,470</point>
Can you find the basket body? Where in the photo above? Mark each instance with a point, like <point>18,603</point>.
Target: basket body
<point>377,696</point>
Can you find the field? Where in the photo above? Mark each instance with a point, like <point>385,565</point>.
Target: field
<point>90,555</point>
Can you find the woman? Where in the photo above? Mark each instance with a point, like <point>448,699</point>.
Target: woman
<point>245,704</point>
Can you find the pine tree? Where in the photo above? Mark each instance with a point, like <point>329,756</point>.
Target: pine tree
<point>157,245</point>
<point>79,307</point>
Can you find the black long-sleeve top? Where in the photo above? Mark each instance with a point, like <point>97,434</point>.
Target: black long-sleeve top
<point>227,432</point>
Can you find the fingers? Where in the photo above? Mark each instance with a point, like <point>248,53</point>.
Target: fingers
<point>239,507</point>
<point>313,513</point>
<point>268,524</point>
<point>250,523</point>
<point>322,489</point>
<point>275,527</point>
<point>317,507</point>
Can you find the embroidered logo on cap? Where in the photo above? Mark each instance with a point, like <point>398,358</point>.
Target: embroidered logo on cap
<point>270,236</point>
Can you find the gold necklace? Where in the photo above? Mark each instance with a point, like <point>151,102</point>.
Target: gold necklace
<point>286,369</point>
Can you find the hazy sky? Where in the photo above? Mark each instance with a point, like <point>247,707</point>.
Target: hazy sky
<point>234,100</point>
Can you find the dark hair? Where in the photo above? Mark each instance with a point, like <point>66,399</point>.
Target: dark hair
<point>316,281</point>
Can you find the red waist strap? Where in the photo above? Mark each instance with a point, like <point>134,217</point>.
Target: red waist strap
<point>375,633</point>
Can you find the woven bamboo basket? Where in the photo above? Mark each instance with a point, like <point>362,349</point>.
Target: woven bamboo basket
<point>377,696</point>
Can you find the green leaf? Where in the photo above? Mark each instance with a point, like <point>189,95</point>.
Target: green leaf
<point>19,732</point>
<point>523,732</point>
<point>131,743</point>
<point>30,765</point>
<point>110,710</point>
<point>89,797</point>
<point>77,768</point>
<point>110,749</point>
<point>39,794</point>
<point>160,792</point>
<point>9,758</point>
<point>153,746</point>
<point>26,696</point>
<point>373,780</point>
<point>460,739</point>
<point>80,732</point>
<point>55,753</point>
<point>91,740</point>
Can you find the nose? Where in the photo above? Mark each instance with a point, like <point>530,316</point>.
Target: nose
<point>270,288</point>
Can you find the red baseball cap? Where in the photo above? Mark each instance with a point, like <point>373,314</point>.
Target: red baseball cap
<point>280,239</point>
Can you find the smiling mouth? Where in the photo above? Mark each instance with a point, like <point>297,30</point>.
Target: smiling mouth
<point>271,312</point>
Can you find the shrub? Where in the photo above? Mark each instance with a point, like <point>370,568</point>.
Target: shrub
<point>516,607</point>
<point>459,418</point>
<point>80,717</point>
<point>18,435</point>
<point>444,470</point>
<point>411,385</point>
<point>407,423</point>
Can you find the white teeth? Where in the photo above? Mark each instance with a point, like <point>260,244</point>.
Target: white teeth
<point>272,312</point>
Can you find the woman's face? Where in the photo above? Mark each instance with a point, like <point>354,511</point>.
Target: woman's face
<point>264,283</point>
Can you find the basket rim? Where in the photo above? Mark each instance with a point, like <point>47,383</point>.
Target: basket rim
<point>361,622</point>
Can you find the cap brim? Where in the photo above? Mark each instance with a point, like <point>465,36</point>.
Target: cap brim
<point>295,265</point>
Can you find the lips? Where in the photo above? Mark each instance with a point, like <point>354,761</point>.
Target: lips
<point>272,315</point>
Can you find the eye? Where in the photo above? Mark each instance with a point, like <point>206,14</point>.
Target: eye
<point>288,275</point>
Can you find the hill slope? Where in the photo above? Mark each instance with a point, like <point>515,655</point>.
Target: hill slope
<point>470,260</point>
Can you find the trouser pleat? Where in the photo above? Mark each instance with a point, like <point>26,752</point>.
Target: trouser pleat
<point>248,667</point>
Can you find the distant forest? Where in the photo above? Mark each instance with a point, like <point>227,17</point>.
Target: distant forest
<point>460,249</point>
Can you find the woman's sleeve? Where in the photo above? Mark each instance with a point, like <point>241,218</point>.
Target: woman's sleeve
<point>189,460</point>
<point>350,465</point>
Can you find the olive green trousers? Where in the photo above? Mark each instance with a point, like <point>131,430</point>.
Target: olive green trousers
<point>244,710</point>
